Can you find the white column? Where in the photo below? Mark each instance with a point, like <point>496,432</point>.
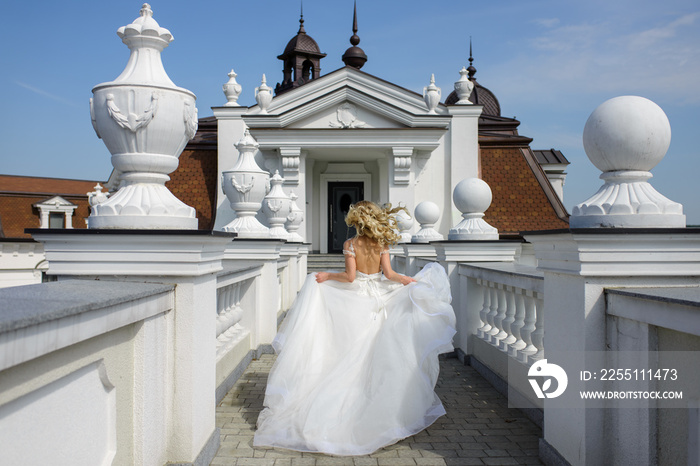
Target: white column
<point>463,153</point>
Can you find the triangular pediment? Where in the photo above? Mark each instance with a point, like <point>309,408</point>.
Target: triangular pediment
<point>347,98</point>
<point>55,202</point>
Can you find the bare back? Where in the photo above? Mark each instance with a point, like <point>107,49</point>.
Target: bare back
<point>367,254</point>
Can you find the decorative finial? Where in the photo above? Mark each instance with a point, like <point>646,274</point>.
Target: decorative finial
<point>146,10</point>
<point>355,39</point>
<point>354,56</point>
<point>301,20</point>
<point>471,70</point>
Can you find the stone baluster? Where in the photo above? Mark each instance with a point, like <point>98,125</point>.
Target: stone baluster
<point>230,314</point>
<point>529,327</point>
<point>500,316</point>
<point>538,335</point>
<point>485,309</point>
<point>518,324</point>
<point>493,313</point>
<point>509,319</point>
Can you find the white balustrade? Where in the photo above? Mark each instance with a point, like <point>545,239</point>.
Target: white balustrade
<point>229,329</point>
<point>509,310</point>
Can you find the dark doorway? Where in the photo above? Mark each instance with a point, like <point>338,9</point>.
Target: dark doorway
<point>341,194</point>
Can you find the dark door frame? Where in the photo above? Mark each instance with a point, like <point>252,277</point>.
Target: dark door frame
<point>337,210</point>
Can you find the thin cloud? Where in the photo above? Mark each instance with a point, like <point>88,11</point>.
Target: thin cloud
<point>42,92</point>
<point>591,58</point>
<point>547,22</point>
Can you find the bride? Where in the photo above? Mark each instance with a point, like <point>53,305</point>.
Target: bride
<point>357,353</point>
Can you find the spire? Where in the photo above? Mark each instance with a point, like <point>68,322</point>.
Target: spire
<point>355,39</point>
<point>301,20</point>
<point>471,69</point>
<point>354,56</point>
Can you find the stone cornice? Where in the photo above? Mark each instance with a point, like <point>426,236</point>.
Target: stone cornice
<point>608,252</point>
<point>419,138</point>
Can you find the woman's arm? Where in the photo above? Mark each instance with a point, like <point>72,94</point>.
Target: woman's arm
<point>350,268</point>
<point>385,263</point>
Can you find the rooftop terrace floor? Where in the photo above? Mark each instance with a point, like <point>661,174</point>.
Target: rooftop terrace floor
<point>479,428</point>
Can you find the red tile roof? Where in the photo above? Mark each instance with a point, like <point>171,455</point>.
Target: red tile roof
<point>523,199</point>
<point>18,194</point>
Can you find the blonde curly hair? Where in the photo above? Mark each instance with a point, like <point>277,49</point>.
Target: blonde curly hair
<point>378,223</point>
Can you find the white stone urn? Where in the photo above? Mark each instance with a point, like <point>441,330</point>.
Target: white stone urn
<point>145,121</point>
<point>263,95</point>
<point>245,186</point>
<point>464,88</point>
<point>427,215</point>
<point>294,219</point>
<point>625,137</point>
<point>277,206</point>
<point>432,95</point>
<point>232,90</point>
<point>472,197</point>
<point>404,222</point>
<point>97,196</point>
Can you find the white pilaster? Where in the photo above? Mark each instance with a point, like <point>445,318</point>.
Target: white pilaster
<point>463,153</point>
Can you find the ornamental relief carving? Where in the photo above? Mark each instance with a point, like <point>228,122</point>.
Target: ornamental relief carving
<point>346,116</point>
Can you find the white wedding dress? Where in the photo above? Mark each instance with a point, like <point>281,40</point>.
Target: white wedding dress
<point>357,364</point>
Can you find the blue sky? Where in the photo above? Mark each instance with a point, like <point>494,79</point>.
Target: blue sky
<point>549,62</point>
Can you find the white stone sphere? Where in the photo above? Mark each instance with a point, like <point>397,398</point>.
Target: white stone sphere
<point>427,213</point>
<point>472,195</point>
<point>404,220</point>
<point>627,133</point>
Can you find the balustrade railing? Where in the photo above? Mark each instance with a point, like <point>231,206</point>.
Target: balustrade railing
<point>510,313</point>
<point>229,329</point>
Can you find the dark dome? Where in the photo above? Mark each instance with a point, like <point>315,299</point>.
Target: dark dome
<point>479,96</point>
<point>302,43</point>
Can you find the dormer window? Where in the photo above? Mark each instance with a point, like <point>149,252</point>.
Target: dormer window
<point>56,213</point>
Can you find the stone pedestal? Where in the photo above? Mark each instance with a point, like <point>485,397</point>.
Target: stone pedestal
<point>189,259</point>
<point>578,267</point>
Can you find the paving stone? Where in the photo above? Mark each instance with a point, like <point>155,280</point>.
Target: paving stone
<point>478,428</point>
<point>501,461</point>
<point>430,462</point>
<point>363,461</point>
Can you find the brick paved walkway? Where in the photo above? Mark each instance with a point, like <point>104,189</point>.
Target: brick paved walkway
<point>478,428</point>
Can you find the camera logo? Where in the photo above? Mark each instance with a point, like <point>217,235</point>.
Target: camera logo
<point>546,371</point>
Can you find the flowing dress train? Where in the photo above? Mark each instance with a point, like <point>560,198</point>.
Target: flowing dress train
<point>357,364</point>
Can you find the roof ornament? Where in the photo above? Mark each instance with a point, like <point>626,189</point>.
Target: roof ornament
<point>301,20</point>
<point>354,56</point>
<point>471,70</point>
